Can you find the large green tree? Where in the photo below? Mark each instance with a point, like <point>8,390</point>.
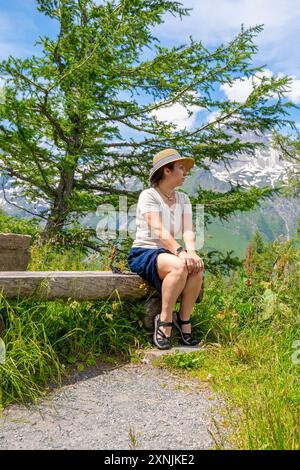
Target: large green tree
<point>80,118</point>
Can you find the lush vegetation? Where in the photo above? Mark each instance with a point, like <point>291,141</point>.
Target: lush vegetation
<point>45,341</point>
<point>248,320</point>
<point>10,224</point>
<point>44,338</point>
<point>250,323</point>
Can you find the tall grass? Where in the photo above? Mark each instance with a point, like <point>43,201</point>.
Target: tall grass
<point>44,339</point>
<point>251,324</point>
<point>57,257</point>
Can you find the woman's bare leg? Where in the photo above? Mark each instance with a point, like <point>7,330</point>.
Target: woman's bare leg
<point>173,272</point>
<point>189,296</point>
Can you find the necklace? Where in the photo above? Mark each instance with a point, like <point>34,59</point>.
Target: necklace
<point>170,198</point>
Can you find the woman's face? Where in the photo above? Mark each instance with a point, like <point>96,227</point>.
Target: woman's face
<point>177,175</point>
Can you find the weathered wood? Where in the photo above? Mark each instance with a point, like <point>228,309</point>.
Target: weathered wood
<point>78,285</point>
<point>152,307</point>
<point>14,252</point>
<point>82,285</point>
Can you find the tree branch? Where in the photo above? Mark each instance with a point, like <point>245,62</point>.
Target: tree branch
<point>20,207</point>
<point>25,178</point>
<point>43,109</point>
<point>36,85</point>
<point>74,69</point>
<point>284,150</point>
<point>51,191</point>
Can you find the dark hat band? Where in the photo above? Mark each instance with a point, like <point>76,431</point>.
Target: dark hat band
<point>164,161</point>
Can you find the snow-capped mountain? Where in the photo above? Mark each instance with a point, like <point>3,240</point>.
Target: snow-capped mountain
<point>263,169</point>
<point>277,216</point>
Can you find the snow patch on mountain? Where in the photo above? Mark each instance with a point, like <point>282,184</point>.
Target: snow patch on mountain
<point>263,169</point>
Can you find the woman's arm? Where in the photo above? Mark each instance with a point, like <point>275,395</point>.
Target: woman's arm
<point>189,237</point>
<point>154,220</point>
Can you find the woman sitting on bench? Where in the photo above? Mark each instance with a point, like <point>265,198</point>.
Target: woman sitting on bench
<point>163,216</point>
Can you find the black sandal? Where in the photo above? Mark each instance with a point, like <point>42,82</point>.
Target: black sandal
<point>187,338</point>
<point>159,338</point>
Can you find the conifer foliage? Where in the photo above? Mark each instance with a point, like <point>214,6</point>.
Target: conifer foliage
<point>79,119</point>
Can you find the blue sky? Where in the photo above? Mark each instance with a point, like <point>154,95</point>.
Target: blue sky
<point>211,21</point>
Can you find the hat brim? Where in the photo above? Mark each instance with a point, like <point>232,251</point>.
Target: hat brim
<point>189,163</point>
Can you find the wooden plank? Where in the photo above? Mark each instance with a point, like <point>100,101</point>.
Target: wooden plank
<point>69,274</point>
<point>78,285</point>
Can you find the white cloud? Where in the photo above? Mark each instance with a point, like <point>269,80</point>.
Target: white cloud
<point>294,93</point>
<point>220,20</point>
<point>239,91</point>
<point>178,115</point>
<point>213,115</point>
<point>215,21</point>
<point>241,88</point>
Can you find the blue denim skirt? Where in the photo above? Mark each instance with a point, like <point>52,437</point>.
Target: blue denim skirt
<point>143,261</point>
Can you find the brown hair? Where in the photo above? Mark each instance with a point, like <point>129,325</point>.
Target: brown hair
<point>159,174</point>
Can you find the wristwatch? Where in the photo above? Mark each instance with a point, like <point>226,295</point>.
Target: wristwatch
<point>179,250</point>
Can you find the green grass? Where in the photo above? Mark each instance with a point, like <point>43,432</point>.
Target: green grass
<point>252,358</point>
<point>261,387</point>
<point>12,224</point>
<point>250,321</point>
<point>48,257</point>
<point>43,339</point>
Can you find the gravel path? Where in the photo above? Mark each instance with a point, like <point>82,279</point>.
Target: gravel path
<point>136,406</point>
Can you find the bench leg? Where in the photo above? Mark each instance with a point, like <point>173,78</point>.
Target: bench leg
<point>152,307</point>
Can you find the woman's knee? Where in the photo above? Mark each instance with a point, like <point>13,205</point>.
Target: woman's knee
<point>180,269</point>
<point>167,264</point>
<point>196,275</point>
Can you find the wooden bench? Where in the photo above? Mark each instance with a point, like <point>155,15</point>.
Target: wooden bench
<point>82,285</point>
<point>14,251</point>
<point>17,283</point>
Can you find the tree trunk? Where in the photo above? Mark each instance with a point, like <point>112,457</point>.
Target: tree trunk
<point>60,209</point>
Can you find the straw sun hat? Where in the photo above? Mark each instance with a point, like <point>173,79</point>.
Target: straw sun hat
<point>168,156</point>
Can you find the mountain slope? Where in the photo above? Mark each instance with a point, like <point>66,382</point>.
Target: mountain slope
<point>276,217</point>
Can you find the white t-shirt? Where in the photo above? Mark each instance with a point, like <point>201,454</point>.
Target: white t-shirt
<point>172,217</point>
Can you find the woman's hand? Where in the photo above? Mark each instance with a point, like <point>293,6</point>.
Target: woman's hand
<point>193,262</point>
